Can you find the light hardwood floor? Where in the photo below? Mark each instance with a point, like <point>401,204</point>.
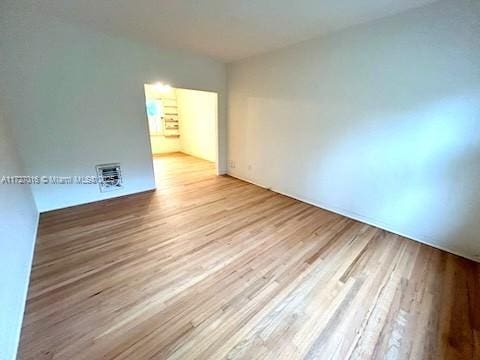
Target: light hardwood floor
<point>212,267</point>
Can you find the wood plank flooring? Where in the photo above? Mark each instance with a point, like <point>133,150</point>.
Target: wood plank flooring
<point>210,267</point>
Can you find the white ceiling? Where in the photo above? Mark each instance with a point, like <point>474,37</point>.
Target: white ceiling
<point>224,29</point>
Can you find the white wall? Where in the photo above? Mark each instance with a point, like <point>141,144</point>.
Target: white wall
<point>164,145</point>
<point>18,224</point>
<point>198,122</point>
<point>380,122</point>
<point>76,99</point>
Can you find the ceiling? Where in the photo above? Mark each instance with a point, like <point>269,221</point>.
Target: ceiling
<point>227,30</point>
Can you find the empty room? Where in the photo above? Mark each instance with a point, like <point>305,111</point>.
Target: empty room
<point>239,179</point>
<point>183,126</point>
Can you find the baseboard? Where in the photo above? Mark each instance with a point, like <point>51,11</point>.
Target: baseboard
<point>221,172</point>
<point>121,195</point>
<point>358,217</point>
<point>166,153</point>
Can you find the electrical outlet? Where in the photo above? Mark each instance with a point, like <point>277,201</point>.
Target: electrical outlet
<point>249,167</point>
<point>231,164</point>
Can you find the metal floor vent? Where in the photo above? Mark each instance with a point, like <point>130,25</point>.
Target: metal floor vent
<point>109,177</point>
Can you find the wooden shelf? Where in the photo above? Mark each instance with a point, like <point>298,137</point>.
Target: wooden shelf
<point>171,126</point>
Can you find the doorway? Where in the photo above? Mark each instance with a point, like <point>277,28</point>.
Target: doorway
<point>183,130</point>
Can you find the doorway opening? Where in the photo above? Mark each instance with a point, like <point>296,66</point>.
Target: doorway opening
<point>183,131</point>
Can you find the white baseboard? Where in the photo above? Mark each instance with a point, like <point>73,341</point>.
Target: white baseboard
<point>360,218</point>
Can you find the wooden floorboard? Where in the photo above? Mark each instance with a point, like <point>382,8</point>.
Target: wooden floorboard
<point>211,267</point>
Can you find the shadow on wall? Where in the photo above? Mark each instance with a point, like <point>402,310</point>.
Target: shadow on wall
<point>379,122</point>
<point>414,172</point>
<point>421,169</point>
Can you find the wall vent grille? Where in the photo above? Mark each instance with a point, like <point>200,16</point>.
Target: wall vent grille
<point>109,177</point>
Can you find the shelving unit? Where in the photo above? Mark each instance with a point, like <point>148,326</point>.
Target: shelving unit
<point>171,127</point>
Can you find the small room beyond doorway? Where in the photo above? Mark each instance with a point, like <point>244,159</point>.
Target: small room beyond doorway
<point>183,132</point>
